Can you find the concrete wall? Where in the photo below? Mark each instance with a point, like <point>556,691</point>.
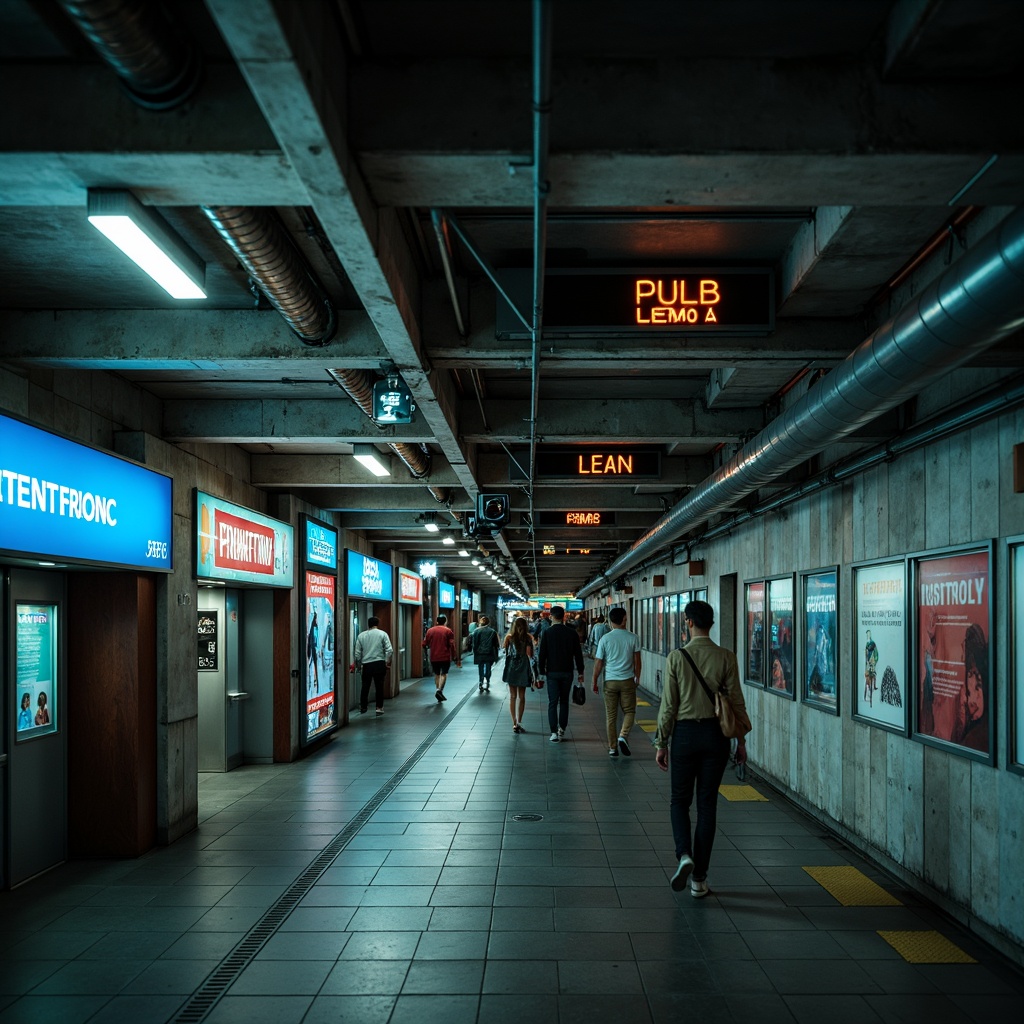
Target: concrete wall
<point>948,826</point>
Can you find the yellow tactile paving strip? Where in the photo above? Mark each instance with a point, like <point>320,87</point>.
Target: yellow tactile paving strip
<point>738,794</point>
<point>852,888</point>
<point>648,726</point>
<point>926,948</point>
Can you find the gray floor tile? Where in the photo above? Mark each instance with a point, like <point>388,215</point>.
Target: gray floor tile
<point>350,1010</point>
<point>318,919</point>
<point>282,977</point>
<point>381,946</point>
<point>125,1009</point>
<point>52,1009</point>
<point>452,945</point>
<point>448,977</point>
<point>202,946</point>
<point>259,1010</point>
<point>166,977</point>
<point>304,946</point>
<point>444,1009</point>
<point>366,977</point>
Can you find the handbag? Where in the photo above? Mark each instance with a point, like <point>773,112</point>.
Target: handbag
<point>579,694</point>
<point>733,721</point>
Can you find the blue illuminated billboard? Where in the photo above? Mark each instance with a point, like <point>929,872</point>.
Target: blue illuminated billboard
<point>61,500</point>
<point>234,543</point>
<point>368,577</point>
<point>321,544</point>
<point>445,595</point>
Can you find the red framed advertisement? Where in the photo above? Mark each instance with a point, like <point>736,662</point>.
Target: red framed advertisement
<point>952,651</point>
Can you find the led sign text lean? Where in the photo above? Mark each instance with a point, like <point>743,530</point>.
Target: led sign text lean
<point>665,301</point>
<point>605,465</point>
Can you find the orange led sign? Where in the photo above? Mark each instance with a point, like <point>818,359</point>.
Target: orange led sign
<point>728,300</point>
<point>597,463</point>
<point>582,518</point>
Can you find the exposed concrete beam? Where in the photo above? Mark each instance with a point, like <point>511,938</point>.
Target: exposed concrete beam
<point>597,421</point>
<point>187,339</point>
<point>340,471</point>
<point>256,421</point>
<point>292,59</point>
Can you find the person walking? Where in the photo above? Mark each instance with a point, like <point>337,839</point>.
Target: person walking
<point>690,741</point>
<point>518,671</point>
<point>440,641</point>
<point>484,643</point>
<point>598,630</point>
<point>618,656</point>
<point>559,651</point>
<point>373,655</point>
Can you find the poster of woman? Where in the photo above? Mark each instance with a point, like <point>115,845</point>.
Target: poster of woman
<point>754,599</point>
<point>880,644</point>
<point>953,623</point>
<point>781,674</point>
<point>819,592</point>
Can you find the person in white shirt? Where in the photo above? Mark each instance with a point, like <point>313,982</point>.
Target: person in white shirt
<point>618,656</point>
<point>373,654</point>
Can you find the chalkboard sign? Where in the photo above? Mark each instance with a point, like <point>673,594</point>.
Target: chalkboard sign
<point>207,641</point>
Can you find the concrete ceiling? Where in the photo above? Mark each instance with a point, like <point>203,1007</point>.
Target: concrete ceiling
<point>830,142</point>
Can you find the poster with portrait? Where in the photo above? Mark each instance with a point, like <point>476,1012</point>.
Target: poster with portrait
<point>819,640</point>
<point>880,645</point>
<point>781,674</point>
<point>319,652</point>
<point>1015,761</point>
<point>953,662</point>
<point>754,610</point>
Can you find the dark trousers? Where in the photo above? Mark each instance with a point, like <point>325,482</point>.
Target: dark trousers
<point>484,668</point>
<point>558,686</point>
<point>373,672</point>
<point>697,759</point>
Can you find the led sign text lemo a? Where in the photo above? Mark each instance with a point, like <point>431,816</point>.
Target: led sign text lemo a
<point>582,518</point>
<point>677,300</point>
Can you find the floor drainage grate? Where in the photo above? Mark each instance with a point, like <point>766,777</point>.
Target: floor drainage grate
<point>203,1000</point>
<point>527,817</point>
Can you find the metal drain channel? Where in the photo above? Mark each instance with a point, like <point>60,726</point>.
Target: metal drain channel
<point>203,1000</point>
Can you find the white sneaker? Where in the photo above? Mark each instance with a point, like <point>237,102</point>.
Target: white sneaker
<point>698,890</point>
<point>561,733</point>
<point>678,882</point>
<point>554,737</point>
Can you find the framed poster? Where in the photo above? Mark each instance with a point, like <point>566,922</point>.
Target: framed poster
<point>954,681</point>
<point>819,639</point>
<point>753,604</point>
<point>781,676</point>
<point>880,645</point>
<point>1015,629</point>
<point>35,690</point>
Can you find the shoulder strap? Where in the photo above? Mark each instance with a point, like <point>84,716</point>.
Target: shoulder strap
<point>700,678</point>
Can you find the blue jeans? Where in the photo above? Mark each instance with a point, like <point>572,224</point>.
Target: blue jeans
<point>697,758</point>
<point>559,684</point>
<point>484,668</point>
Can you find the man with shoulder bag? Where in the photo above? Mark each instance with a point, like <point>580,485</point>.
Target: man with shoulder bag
<point>697,679</point>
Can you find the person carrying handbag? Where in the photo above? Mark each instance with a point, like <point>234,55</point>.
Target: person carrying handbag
<point>689,741</point>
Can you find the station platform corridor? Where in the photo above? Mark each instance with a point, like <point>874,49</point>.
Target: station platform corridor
<point>432,866</point>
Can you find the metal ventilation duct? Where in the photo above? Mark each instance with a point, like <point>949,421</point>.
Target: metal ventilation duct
<point>265,250</point>
<point>149,53</point>
<point>974,304</point>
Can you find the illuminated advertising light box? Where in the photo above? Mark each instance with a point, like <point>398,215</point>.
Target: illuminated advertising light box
<point>319,653</point>
<point>368,577</point>
<point>321,544</point>
<point>64,501</point>
<point>445,595</point>
<point>410,587</point>
<point>238,545</point>
<point>35,693</point>
<point>708,300</point>
<point>464,598</point>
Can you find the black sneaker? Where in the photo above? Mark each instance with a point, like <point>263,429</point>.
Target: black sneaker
<point>440,695</point>
<point>624,747</point>
<point>437,696</point>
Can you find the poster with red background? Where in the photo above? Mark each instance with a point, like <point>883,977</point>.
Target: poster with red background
<point>954,677</point>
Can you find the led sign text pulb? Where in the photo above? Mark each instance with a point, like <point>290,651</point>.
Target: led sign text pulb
<point>695,300</point>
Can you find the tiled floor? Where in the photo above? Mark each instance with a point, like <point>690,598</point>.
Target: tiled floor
<point>440,906</point>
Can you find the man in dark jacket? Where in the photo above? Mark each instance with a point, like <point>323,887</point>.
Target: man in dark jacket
<point>559,650</point>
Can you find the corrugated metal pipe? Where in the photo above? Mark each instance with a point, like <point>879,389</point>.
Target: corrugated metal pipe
<point>263,247</point>
<point>975,303</point>
<point>149,53</point>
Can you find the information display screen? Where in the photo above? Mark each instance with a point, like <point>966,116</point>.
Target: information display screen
<point>36,689</point>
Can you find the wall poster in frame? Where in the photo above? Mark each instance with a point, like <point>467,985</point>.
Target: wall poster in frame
<point>1015,630</point>
<point>880,642</point>
<point>819,639</point>
<point>753,607</point>
<point>781,669</point>
<point>952,629</point>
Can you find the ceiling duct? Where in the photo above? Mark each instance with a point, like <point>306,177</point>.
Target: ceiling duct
<point>263,247</point>
<point>975,303</point>
<point>151,55</point>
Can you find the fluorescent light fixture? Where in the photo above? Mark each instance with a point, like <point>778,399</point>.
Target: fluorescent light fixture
<point>368,456</point>
<point>463,552</point>
<point>143,236</point>
<point>476,561</point>
<point>451,542</point>
<point>431,527</point>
